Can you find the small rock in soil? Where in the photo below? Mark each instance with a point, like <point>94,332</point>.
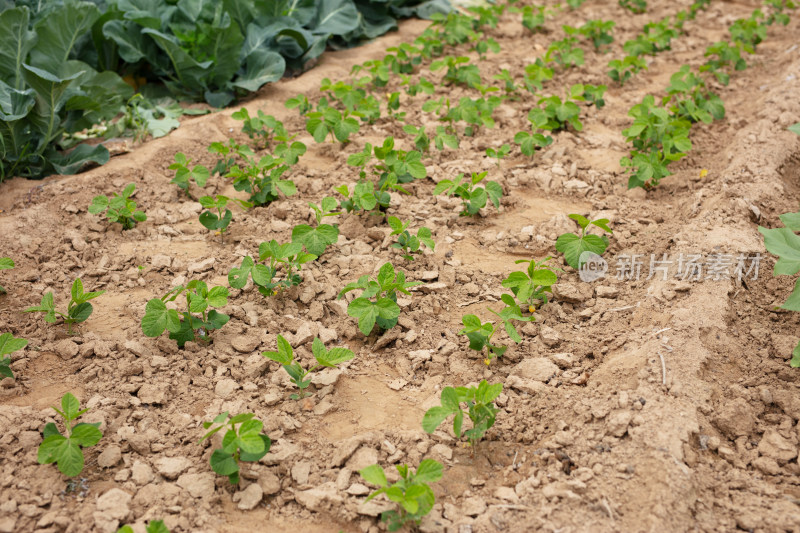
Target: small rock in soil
<point>249,497</point>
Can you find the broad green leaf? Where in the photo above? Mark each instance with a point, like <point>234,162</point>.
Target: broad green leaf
<point>336,356</point>
<point>218,297</point>
<point>157,318</point>
<point>223,463</point>
<point>17,41</point>
<point>237,277</point>
<point>81,312</point>
<point>434,417</point>
<point>8,344</point>
<point>366,312</point>
<point>86,435</point>
<point>573,246</point>
<point>784,243</point>
<point>59,31</point>
<point>429,471</point>
<point>335,17</point>
<point>790,220</point>
<point>374,474</point>
<point>6,263</point>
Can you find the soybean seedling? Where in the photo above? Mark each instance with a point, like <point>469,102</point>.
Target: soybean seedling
<point>219,221</point>
<point>378,301</point>
<point>9,345</point>
<point>286,257</point>
<point>119,209</point>
<point>66,451</point>
<point>406,242</point>
<point>316,240</point>
<point>473,198</point>
<point>243,443</point>
<point>183,174</point>
<point>480,333</point>
<point>78,310</point>
<point>498,153</point>
<point>6,263</point>
<point>480,409</point>
<point>531,287</point>
<point>414,497</point>
<point>622,70</point>
<point>186,325</point>
<point>573,246</point>
<point>785,243</point>
<point>326,358</point>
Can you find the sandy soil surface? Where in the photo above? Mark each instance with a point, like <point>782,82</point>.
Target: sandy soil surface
<point>649,405</point>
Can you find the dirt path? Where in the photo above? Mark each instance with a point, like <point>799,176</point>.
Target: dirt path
<point>630,405</point>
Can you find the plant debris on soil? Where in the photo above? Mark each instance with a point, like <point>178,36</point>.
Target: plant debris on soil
<point>644,404</point>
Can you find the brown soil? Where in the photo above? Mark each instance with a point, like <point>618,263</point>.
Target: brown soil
<point>606,441</point>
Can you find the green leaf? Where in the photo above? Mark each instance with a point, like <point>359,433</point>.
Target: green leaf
<point>366,312</point>
<point>434,417</point>
<point>429,471</point>
<point>795,128</point>
<point>8,344</point>
<point>375,475</point>
<point>86,435</point>
<point>217,297</point>
<point>6,263</point>
<point>81,312</point>
<point>573,246</point>
<point>59,31</point>
<point>784,243</point>
<point>237,277</point>
<point>335,17</point>
<point>316,240</point>
<point>17,41</point>
<point>223,463</point>
<point>790,220</point>
<point>795,362</point>
<point>157,318</point>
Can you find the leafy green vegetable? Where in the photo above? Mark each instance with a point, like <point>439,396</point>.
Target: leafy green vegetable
<point>414,497</point>
<point>199,173</point>
<point>220,220</point>
<point>480,333</point>
<point>243,441</point>
<point>9,345</point>
<point>327,358</point>
<point>78,310</point>
<point>533,284</point>
<point>184,326</point>
<point>66,451</point>
<point>573,246</point>
<point>286,257</point>
<point>480,409</point>
<point>623,69</point>
<point>316,240</point>
<point>120,208</point>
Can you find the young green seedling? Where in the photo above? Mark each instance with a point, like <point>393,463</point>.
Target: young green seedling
<point>384,309</point>
<point>473,198</point>
<point>290,153</point>
<point>599,32</point>
<point>533,17</point>
<point>287,257</point>
<point>363,197</point>
<point>6,263</point>
<point>411,492</point>
<point>565,52</point>
<point>183,174</point>
<point>262,128</point>
<point>326,358</point>
<point>480,409</point>
<point>531,287</point>
<point>330,121</point>
<point>535,75</point>
<point>261,178</point>
<point>299,102</point>
<point>185,326</point>
<point>243,441</point>
<point>154,526</point>
<point>785,243</point>
<point>9,345</point>
<point>218,222</point>
<point>634,6</point>
<point>408,243</point>
<point>317,239</point>
<point>66,451</point>
<point>119,209</point>
<point>530,142</point>
<point>78,309</point>
<point>574,246</point>
<point>498,153</point>
<point>480,333</point>
<point>622,70</point>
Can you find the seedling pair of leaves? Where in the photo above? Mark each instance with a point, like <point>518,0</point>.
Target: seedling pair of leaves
<point>531,286</point>
<point>785,243</point>
<point>565,52</point>
<point>261,178</point>
<point>723,56</point>
<point>599,32</point>
<point>392,166</point>
<point>326,358</point>
<point>480,409</point>
<point>473,198</point>
<point>183,174</point>
<point>556,114</point>
<point>184,326</point>
<point>530,142</point>
<point>119,209</point>
<point>406,242</point>
<point>622,70</point>
<point>363,198</point>
<point>6,263</point>
<point>414,497</point>
<point>9,345</point>
<point>299,102</point>
<point>535,75</point>
<point>243,441</point>
<point>330,121</point>
<point>533,17</point>
<point>66,450</point>
<point>459,72</point>
<point>480,333</point>
<point>78,309</point>
<point>317,239</point>
<point>377,303</point>
<point>287,257</point>
<point>220,220</point>
<point>749,32</point>
<point>690,98</point>
<point>498,153</point>
<point>262,128</point>
<point>572,245</point>
<point>634,6</point>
